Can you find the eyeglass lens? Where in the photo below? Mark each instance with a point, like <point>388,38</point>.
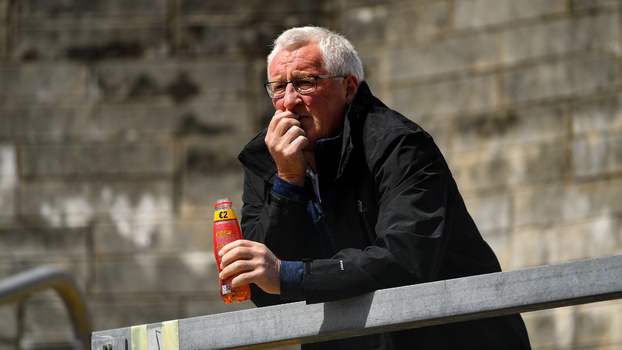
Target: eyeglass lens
<point>304,85</point>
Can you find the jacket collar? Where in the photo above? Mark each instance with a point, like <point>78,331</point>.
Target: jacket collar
<point>353,123</point>
<point>256,157</point>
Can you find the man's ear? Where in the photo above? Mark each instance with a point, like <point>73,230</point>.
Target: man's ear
<point>351,87</point>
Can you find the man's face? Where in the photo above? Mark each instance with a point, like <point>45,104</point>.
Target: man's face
<point>321,113</point>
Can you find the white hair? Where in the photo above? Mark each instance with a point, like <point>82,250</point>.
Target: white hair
<point>338,54</point>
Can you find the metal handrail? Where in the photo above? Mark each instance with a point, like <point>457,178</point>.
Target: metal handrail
<point>420,305</point>
<point>24,284</point>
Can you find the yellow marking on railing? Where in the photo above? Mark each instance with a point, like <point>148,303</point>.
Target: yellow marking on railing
<point>139,337</point>
<point>170,335</point>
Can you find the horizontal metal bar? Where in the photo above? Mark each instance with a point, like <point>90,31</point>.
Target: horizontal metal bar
<point>413,306</point>
<point>24,284</point>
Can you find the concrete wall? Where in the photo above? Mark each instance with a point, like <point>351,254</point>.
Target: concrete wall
<point>120,122</point>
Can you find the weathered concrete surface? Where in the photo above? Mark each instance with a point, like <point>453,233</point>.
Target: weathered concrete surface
<point>120,123</point>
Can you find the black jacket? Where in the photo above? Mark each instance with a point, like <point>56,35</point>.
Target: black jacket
<point>398,219</point>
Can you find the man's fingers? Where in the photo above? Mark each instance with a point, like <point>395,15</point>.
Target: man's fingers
<point>237,253</point>
<point>280,117</point>
<point>300,142</point>
<point>283,135</point>
<point>237,250</point>
<point>235,268</point>
<point>224,250</point>
<point>288,145</point>
<point>249,276</point>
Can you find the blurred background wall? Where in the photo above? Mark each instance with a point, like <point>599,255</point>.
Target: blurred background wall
<point>121,121</point>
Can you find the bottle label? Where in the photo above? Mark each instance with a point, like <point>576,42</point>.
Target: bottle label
<point>225,232</point>
<point>228,214</point>
<point>226,289</point>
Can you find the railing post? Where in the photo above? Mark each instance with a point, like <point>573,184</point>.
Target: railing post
<point>24,284</point>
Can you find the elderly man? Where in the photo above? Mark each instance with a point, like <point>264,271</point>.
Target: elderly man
<point>344,196</point>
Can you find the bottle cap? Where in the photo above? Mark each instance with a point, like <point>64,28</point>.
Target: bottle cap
<point>223,201</point>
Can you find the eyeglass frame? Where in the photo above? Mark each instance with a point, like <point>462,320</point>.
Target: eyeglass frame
<point>315,77</point>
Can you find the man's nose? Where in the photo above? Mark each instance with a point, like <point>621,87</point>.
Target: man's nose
<point>291,97</point>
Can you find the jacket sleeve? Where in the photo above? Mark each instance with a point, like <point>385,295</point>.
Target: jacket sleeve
<point>274,220</point>
<point>417,204</point>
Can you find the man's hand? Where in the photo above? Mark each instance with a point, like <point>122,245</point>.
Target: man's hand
<point>286,140</point>
<point>253,263</point>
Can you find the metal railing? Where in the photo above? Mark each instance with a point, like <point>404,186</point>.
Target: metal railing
<point>20,286</point>
<point>482,296</point>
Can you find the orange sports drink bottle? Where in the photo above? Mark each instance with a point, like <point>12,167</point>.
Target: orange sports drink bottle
<point>227,230</point>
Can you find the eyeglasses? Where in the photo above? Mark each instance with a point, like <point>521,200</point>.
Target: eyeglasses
<point>303,85</point>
